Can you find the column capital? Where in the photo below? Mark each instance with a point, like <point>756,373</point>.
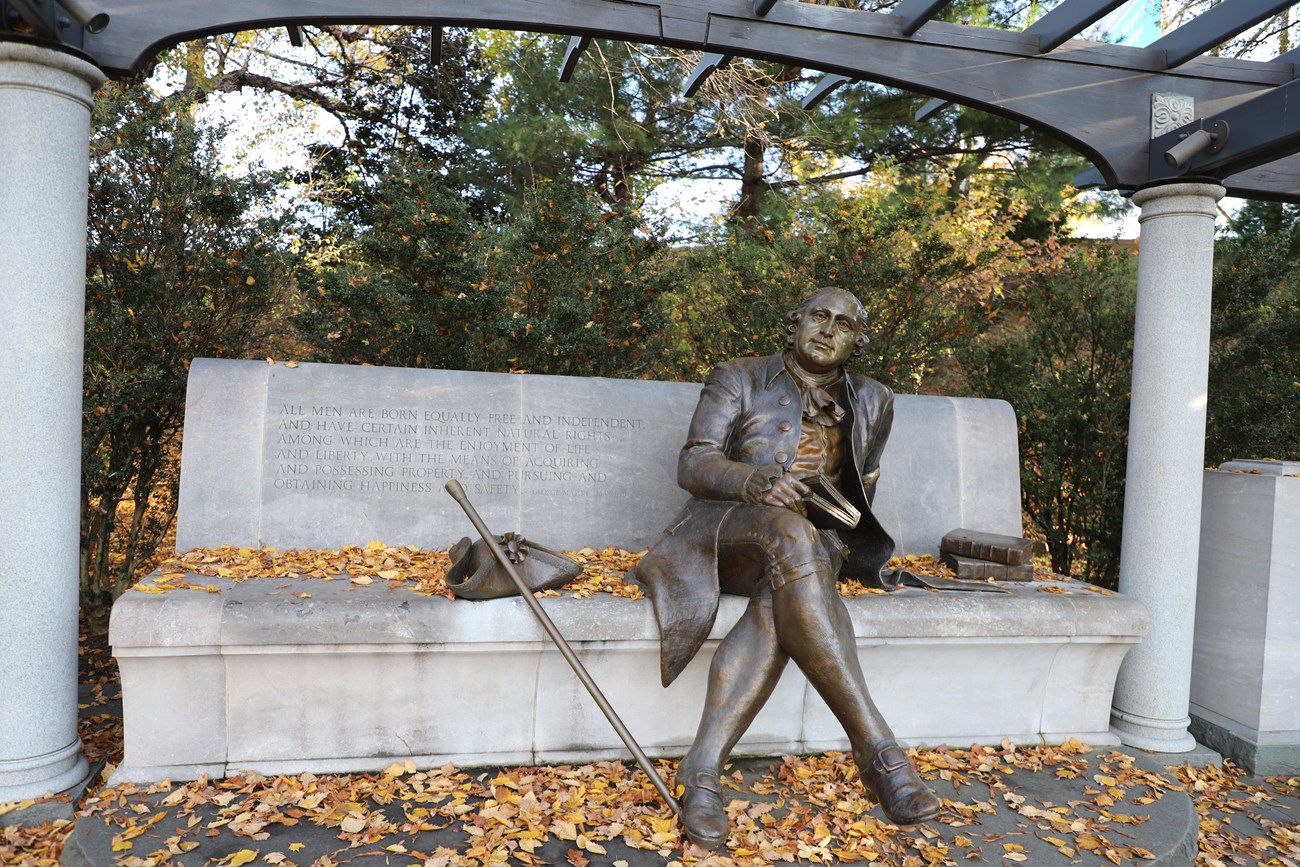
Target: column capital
<point>49,69</point>
<point>1160,198</point>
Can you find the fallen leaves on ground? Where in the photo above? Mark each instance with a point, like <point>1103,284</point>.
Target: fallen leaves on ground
<point>806,809</point>
<point>1219,793</point>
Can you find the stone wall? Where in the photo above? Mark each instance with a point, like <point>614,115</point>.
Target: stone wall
<point>321,455</point>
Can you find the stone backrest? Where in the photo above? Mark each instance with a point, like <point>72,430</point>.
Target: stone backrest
<point>321,455</point>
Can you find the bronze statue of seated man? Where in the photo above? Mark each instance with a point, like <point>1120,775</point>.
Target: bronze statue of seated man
<point>762,427</point>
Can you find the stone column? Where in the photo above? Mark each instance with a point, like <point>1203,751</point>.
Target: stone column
<point>1166,453</point>
<point>45,101</point>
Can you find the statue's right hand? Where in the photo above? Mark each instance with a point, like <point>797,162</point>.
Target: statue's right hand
<point>788,492</point>
<point>771,485</point>
<point>759,483</point>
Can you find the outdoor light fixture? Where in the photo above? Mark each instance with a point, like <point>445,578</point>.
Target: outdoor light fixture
<point>87,15</point>
<point>1210,140</point>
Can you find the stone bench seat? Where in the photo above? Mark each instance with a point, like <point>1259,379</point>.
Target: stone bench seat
<point>353,678</point>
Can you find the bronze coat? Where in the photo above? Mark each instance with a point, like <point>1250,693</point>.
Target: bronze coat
<point>749,415</point>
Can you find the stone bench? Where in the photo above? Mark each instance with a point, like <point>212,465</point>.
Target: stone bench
<point>351,678</point>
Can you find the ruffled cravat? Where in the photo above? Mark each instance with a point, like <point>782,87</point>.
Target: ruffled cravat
<point>815,392</point>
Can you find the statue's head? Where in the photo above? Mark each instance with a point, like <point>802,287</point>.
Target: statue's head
<point>827,329</point>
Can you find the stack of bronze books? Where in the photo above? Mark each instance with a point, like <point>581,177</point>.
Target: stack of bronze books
<point>980,556</point>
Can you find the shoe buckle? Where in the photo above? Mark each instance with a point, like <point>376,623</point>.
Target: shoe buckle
<point>707,781</point>
<point>889,758</point>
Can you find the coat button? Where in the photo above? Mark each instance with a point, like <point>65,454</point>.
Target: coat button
<point>784,426</point>
<point>781,457</point>
<point>785,400</point>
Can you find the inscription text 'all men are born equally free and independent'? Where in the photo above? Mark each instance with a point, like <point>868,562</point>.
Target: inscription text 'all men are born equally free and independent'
<point>384,449</point>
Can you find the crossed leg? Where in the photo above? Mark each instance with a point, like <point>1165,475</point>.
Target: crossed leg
<point>795,612</point>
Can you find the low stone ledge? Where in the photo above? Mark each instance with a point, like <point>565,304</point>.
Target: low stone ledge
<point>349,678</point>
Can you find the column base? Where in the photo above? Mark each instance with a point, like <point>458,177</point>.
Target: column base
<point>37,776</point>
<point>1156,735</point>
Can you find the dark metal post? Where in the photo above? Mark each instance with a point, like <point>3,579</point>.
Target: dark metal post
<point>458,494</point>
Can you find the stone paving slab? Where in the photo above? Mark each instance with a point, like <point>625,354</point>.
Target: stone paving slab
<point>1039,816</point>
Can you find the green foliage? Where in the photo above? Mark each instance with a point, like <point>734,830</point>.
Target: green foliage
<point>398,279</point>
<point>378,83</point>
<point>618,127</point>
<point>579,288</point>
<point>923,265</point>
<point>179,265</point>
<point>1254,395</point>
<point>1060,352</point>
<point>563,288</point>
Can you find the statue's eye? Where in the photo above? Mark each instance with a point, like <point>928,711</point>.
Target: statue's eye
<point>843,325</point>
<point>819,316</point>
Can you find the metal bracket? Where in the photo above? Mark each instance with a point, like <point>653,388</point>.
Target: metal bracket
<point>44,19</point>
<point>63,21</point>
<point>1219,131</point>
<point>1209,138</point>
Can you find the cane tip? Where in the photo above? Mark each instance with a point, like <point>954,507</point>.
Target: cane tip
<point>454,488</point>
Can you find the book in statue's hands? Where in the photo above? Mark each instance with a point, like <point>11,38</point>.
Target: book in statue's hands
<point>828,509</point>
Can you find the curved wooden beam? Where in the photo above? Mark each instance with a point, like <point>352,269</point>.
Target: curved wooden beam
<point>1094,97</point>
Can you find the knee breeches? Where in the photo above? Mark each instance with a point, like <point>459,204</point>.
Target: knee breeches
<point>772,544</point>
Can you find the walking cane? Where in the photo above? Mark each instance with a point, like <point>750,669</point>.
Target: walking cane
<point>458,494</point>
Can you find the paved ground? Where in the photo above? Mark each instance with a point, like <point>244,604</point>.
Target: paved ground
<point>1048,805</point>
<point>1041,806</point>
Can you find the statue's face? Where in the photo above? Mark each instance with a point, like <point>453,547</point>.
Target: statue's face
<point>825,337</point>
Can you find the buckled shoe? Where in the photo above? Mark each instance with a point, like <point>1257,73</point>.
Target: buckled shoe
<point>890,778</point>
<point>703,818</point>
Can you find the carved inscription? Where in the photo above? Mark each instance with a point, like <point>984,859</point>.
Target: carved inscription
<point>403,451</point>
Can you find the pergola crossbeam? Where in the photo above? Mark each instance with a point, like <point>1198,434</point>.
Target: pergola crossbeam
<point>930,109</point>
<point>1068,19</point>
<point>913,13</point>
<point>1214,27</point>
<point>1292,57</point>
<point>709,64</point>
<point>824,87</point>
<point>577,45</point>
